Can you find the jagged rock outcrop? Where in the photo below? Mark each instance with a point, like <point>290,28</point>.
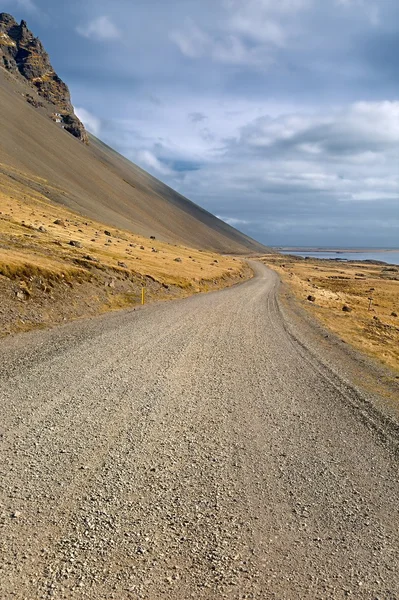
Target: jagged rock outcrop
<point>22,54</point>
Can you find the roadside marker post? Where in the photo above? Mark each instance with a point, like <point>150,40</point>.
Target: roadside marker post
<point>143,295</point>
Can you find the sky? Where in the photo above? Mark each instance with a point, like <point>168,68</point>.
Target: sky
<point>279,116</point>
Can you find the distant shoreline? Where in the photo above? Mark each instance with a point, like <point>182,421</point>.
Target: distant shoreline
<point>332,250</point>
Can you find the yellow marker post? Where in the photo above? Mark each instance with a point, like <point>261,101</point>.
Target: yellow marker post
<point>143,295</point>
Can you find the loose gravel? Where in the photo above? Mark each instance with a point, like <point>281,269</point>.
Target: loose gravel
<point>193,449</point>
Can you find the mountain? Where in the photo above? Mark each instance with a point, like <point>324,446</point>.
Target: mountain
<point>23,55</point>
<point>89,178</point>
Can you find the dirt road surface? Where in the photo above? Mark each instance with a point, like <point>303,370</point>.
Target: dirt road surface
<point>192,449</point>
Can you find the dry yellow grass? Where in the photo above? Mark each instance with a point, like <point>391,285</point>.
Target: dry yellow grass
<point>371,325</point>
<point>24,212</point>
<point>35,236</point>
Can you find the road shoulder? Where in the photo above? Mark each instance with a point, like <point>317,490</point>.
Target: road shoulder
<point>371,388</point>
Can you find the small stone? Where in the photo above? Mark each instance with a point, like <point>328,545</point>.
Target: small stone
<point>91,258</point>
<point>22,294</point>
<point>106,232</point>
<point>311,299</point>
<point>394,314</point>
<point>42,229</point>
<point>75,243</point>
<point>346,308</point>
<point>59,222</point>
<point>16,514</point>
<point>122,264</point>
<point>179,260</point>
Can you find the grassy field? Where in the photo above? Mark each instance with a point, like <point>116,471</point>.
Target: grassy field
<point>56,264</point>
<point>358,301</point>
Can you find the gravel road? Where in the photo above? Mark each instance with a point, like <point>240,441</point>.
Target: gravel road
<point>191,449</point>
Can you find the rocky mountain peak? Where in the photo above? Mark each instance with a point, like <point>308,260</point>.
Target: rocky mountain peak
<point>7,19</point>
<point>23,55</point>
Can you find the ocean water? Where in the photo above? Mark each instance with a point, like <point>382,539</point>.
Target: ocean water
<point>391,257</point>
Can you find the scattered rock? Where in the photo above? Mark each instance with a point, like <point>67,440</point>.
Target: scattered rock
<point>75,243</point>
<point>42,229</point>
<point>311,299</point>
<point>152,237</point>
<point>154,250</point>
<point>178,260</point>
<point>394,314</point>
<point>106,232</point>
<point>91,258</point>
<point>122,264</point>
<point>59,222</point>
<point>36,103</point>
<point>16,514</point>
<point>346,308</point>
<point>215,261</point>
<point>142,248</point>
<point>22,294</point>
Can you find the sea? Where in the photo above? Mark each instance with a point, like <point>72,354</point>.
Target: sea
<point>391,257</point>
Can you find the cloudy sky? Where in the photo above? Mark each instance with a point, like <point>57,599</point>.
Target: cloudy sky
<point>279,116</point>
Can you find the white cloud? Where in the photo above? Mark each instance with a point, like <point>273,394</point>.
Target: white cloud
<point>261,30</point>
<point>148,160</point>
<point>195,43</point>
<point>305,172</point>
<point>265,21</point>
<point>245,34</point>
<point>348,131</point>
<point>233,221</point>
<point>91,122</point>
<point>100,29</point>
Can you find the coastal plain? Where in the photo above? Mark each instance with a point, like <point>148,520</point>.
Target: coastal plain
<point>358,301</point>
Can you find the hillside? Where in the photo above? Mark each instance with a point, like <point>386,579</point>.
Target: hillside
<point>56,265</point>
<point>92,179</point>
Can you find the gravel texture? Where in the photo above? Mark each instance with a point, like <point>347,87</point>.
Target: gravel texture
<point>193,449</point>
